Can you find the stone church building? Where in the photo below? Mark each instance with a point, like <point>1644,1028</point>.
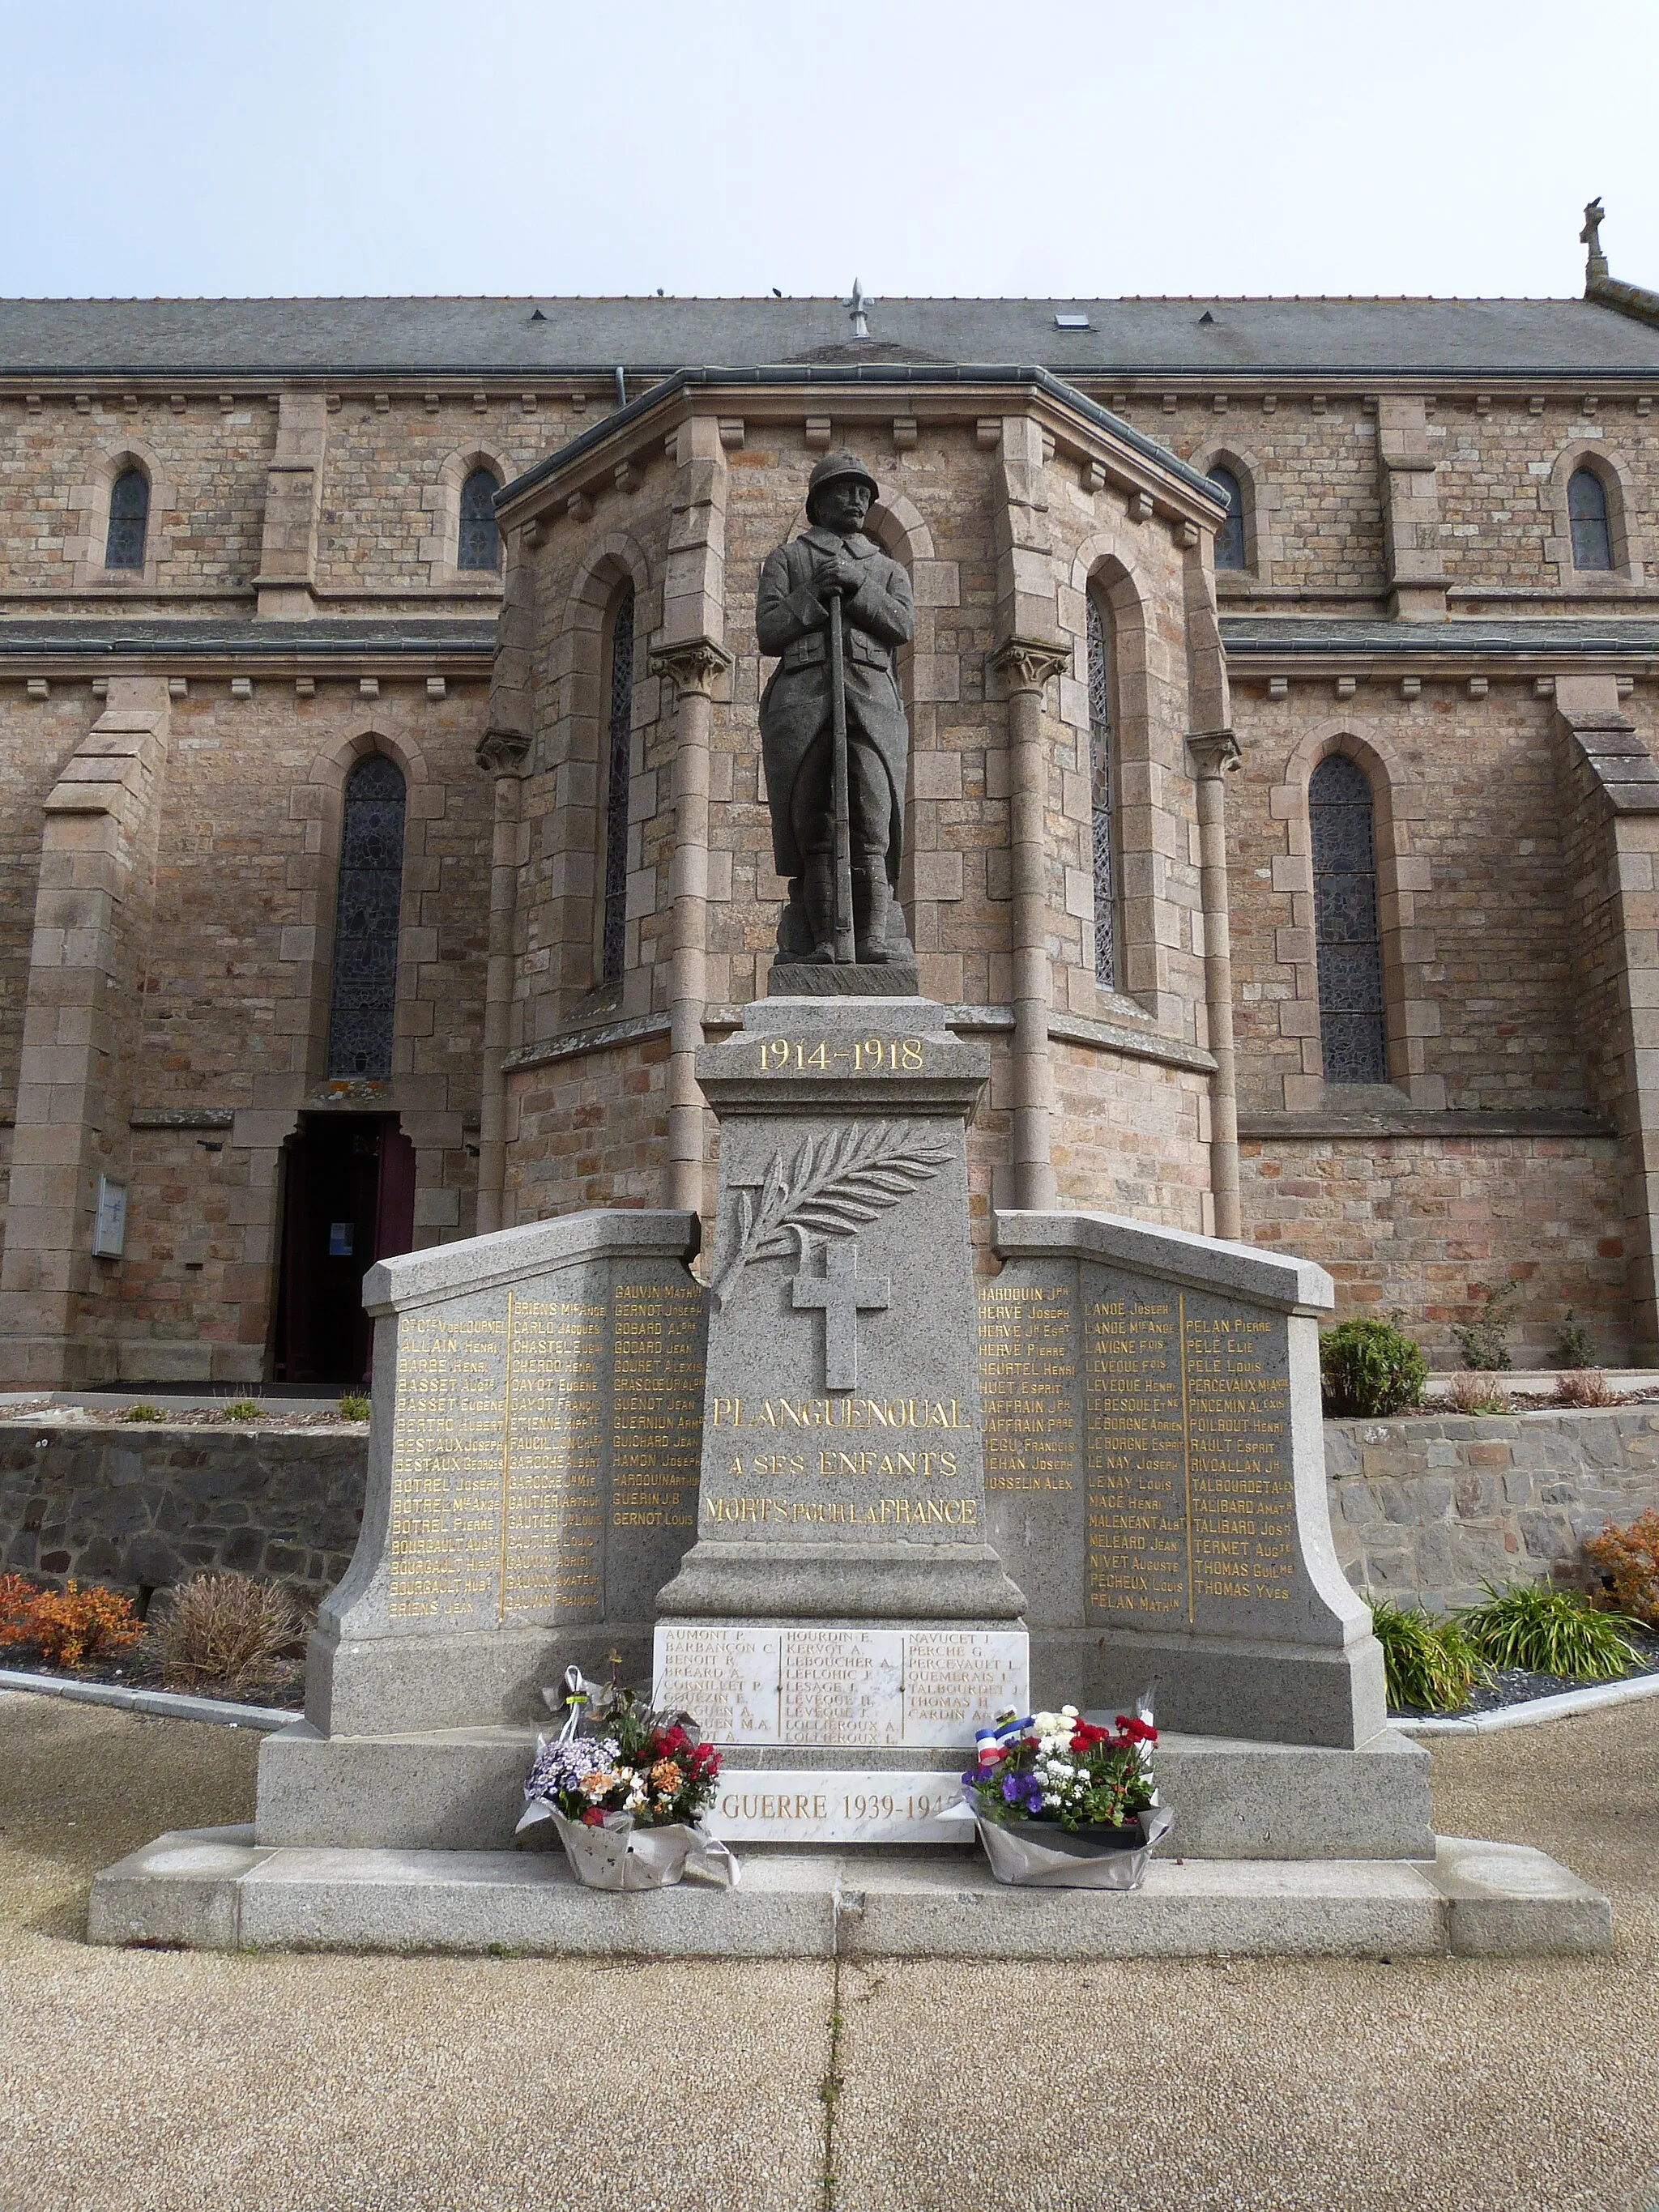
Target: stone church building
<point>384,829</point>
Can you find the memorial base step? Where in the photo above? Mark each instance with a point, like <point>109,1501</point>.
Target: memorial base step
<point>458,1789</point>
<point>216,1889</point>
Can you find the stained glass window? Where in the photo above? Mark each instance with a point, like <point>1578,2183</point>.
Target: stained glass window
<point>618,728</point>
<point>129,516</point>
<point>1350,948</point>
<point>1104,814</point>
<point>1587,509</point>
<point>1229,538</point>
<point>366,920</point>
<point>480,543</point>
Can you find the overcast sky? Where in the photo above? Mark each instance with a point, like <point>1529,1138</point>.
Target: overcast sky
<point>203,147</point>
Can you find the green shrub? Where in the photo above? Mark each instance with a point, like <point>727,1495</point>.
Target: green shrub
<point>1574,1346</point>
<point>353,1406</point>
<point>1549,1632</point>
<point>1370,1368</point>
<point>142,1412</point>
<point>243,1409</point>
<point>1428,1664</point>
<point>1484,1342</point>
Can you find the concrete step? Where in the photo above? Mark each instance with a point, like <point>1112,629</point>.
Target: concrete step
<point>216,1889</point>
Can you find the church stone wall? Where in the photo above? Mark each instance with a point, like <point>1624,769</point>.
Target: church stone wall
<point>1490,942</point>
<point>1420,1225</point>
<point>207,465</point>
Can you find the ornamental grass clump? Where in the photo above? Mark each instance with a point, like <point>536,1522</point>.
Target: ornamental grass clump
<point>1370,1368</point>
<point>242,1409</point>
<point>1629,1558</point>
<point>70,1627</point>
<point>1428,1666</point>
<point>226,1632</point>
<point>1584,1386</point>
<point>353,1406</point>
<point>1060,1767</point>
<point>1549,1632</point>
<point>1477,1394</point>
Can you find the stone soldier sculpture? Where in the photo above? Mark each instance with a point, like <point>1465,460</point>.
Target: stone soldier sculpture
<point>833,559</point>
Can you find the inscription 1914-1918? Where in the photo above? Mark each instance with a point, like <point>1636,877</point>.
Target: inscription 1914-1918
<point>1154,1424</point>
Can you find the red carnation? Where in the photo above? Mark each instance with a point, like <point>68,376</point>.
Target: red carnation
<point>1137,1730</point>
<point>592,1817</point>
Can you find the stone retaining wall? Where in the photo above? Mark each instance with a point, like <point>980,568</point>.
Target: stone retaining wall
<point>1425,1509</point>
<point>144,1508</point>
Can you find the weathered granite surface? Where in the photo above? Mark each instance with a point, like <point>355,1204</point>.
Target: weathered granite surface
<point>843,1455</point>
<point>1155,1477</point>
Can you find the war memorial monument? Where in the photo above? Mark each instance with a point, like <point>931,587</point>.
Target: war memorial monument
<point>871,1453</point>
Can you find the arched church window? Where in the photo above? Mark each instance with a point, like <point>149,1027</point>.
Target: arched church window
<point>129,517</point>
<point>619,732</point>
<point>1587,511</point>
<point>1102,770</point>
<point>366,920</point>
<point>1352,1038</point>
<point>480,542</point>
<point>1229,538</point>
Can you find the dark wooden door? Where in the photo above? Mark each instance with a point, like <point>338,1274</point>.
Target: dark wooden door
<point>349,1200</point>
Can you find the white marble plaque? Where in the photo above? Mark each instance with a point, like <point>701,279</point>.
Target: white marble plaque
<point>883,1687</point>
<point>958,1680</point>
<point>727,1677</point>
<point>771,1806</point>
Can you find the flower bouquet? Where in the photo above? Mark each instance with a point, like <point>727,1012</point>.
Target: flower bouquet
<point>1060,1802</point>
<point>625,1787</point>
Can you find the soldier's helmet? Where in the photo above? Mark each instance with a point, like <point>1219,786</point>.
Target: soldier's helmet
<point>831,469</point>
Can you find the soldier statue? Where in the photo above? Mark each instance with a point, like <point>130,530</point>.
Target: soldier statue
<point>832,566</point>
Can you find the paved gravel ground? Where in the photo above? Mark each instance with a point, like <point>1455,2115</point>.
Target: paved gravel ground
<point>166,2081</point>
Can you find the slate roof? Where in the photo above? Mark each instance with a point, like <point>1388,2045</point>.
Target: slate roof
<point>652,337</point>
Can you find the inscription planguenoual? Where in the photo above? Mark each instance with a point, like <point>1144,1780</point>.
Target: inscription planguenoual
<point>1171,1411</point>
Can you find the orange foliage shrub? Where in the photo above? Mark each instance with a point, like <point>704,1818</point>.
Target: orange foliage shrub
<point>1629,1558</point>
<point>17,1596</point>
<point>69,1627</point>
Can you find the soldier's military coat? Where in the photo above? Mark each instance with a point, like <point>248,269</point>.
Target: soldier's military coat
<point>791,619</point>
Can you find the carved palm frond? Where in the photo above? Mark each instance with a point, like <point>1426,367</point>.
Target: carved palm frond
<point>833,1184</point>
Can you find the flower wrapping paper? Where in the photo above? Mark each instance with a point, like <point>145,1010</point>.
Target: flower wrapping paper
<point>1069,1862</point>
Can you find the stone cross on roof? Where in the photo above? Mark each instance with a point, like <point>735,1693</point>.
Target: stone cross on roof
<point>841,1296</point>
<point>1590,235</point>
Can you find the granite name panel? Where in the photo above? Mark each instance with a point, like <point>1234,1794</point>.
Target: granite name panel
<point>1154,1477</point>
<point>533,1463</point>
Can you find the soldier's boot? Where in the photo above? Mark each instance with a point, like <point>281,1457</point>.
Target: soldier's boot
<point>872,902</point>
<point>818,887</point>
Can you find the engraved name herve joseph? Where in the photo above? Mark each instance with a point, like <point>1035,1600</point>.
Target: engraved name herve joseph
<point>832,594</point>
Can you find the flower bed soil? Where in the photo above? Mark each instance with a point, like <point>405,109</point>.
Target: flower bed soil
<point>1519,1686</point>
<point>139,1667</point>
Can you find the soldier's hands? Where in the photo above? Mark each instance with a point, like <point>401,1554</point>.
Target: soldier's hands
<point>839,571</point>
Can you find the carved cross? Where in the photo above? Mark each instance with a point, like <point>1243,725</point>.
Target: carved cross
<point>841,1296</point>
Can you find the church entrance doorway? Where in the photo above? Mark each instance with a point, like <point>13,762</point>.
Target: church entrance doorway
<point>348,1200</point>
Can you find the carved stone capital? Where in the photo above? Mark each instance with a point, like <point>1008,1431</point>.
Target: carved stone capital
<point>502,752</point>
<point>1214,753</point>
<point>695,666</point>
<point>1025,663</point>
